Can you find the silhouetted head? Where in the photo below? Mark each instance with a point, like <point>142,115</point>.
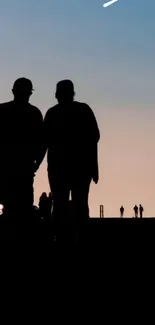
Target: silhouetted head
<point>22,90</point>
<point>44,195</point>
<point>65,91</point>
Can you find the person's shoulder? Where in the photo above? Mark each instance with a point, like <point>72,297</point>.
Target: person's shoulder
<point>51,111</point>
<point>53,108</point>
<point>5,108</point>
<point>83,108</point>
<point>82,105</point>
<point>6,104</point>
<point>35,110</point>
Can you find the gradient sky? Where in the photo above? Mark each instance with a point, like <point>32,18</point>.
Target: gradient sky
<point>109,54</point>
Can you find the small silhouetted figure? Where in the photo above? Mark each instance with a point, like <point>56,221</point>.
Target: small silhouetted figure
<point>20,141</point>
<point>141,210</point>
<point>43,202</point>
<point>136,211</point>
<point>121,211</point>
<point>71,138</point>
<point>45,206</point>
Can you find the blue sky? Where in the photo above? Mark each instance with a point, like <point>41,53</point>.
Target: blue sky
<point>108,53</point>
<point>48,39</point>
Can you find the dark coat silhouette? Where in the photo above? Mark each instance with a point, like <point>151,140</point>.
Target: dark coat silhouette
<point>136,211</point>
<point>121,211</point>
<point>20,137</point>
<point>71,137</point>
<point>141,210</point>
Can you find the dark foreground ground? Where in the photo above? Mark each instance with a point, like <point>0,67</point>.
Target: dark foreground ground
<point>105,232</point>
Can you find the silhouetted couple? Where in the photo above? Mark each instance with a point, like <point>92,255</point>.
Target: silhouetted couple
<point>69,134</point>
<point>141,210</point>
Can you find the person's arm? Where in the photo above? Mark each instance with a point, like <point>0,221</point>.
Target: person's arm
<point>94,137</point>
<point>96,168</point>
<point>93,127</point>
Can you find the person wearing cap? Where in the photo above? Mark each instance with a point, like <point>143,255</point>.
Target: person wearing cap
<point>121,211</point>
<point>71,136</point>
<point>136,211</point>
<point>141,210</point>
<point>20,137</point>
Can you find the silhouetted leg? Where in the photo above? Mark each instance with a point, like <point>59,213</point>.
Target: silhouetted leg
<point>25,219</point>
<point>21,204</point>
<point>60,210</point>
<point>60,189</point>
<point>60,206</point>
<point>80,193</point>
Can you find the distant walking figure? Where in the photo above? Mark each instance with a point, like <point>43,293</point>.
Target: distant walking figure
<point>121,211</point>
<point>141,210</point>
<point>20,137</point>
<point>71,137</point>
<point>43,202</point>
<point>45,205</point>
<point>136,211</point>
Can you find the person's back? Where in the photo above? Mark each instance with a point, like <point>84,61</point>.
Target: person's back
<point>71,137</point>
<point>20,136</point>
